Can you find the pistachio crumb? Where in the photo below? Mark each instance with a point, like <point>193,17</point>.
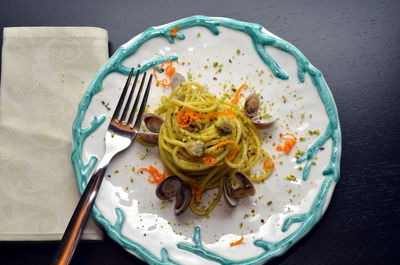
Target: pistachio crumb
<point>312,132</point>
<point>291,177</point>
<point>298,154</point>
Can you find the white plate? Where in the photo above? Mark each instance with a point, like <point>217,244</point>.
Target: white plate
<point>127,206</point>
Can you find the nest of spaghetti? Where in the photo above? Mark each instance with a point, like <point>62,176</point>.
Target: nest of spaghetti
<point>207,143</point>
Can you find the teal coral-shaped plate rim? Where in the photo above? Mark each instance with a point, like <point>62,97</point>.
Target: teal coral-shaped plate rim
<point>260,40</point>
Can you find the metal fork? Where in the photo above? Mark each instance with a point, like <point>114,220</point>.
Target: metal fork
<point>121,133</point>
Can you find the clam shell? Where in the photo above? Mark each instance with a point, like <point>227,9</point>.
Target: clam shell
<point>252,105</point>
<point>152,122</point>
<point>176,80</point>
<point>262,124</point>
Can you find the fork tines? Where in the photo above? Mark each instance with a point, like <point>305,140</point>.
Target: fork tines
<point>117,116</point>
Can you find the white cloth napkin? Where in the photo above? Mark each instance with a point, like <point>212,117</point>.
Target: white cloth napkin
<point>45,71</point>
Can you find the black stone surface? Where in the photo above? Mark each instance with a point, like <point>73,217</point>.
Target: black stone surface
<point>356,44</point>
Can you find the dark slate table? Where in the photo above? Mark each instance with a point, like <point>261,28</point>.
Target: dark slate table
<point>356,44</point>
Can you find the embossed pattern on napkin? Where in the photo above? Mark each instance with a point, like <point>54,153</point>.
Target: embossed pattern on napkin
<point>45,71</point>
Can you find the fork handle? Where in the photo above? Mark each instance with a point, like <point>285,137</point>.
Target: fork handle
<point>78,220</point>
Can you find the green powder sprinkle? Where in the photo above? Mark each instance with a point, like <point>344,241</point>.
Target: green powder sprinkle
<point>291,177</point>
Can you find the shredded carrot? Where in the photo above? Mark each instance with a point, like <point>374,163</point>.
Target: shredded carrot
<point>235,243</point>
<point>235,98</point>
<point>197,193</point>
<point>268,163</point>
<point>185,117</point>
<point>157,176</point>
<point>209,160</point>
<point>172,32</point>
<point>227,142</point>
<point>169,70</point>
<point>288,145</point>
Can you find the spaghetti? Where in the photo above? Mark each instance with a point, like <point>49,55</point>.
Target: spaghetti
<point>203,139</point>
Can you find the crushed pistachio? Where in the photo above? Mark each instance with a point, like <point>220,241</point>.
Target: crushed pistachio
<point>298,154</point>
<point>237,51</point>
<point>302,116</point>
<point>198,34</point>
<point>291,177</point>
<point>284,99</point>
<point>302,139</point>
<point>312,132</point>
<point>116,171</point>
<point>269,202</point>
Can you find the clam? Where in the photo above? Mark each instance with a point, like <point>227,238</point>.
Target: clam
<point>153,123</point>
<point>150,138</point>
<point>237,186</point>
<point>232,202</point>
<point>251,107</point>
<point>224,127</point>
<point>173,186</point>
<point>262,123</point>
<point>195,148</point>
<point>176,80</point>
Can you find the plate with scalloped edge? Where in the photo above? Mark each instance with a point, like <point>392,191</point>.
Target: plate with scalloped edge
<point>221,54</point>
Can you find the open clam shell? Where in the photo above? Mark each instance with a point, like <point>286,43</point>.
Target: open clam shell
<point>152,123</point>
<point>230,201</point>
<point>176,80</point>
<point>252,105</point>
<point>237,186</point>
<point>173,186</point>
<point>262,123</point>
